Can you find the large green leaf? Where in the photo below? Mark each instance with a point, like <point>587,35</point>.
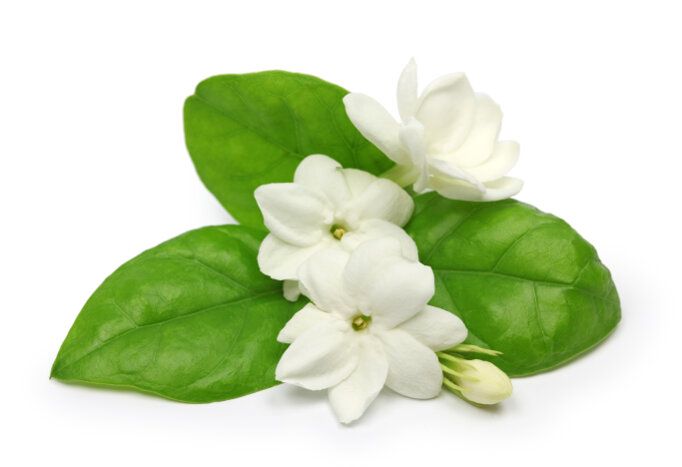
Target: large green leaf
<point>192,319</point>
<point>523,281</point>
<point>246,130</point>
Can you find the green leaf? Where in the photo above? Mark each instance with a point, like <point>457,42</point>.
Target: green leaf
<point>523,281</point>
<point>192,319</point>
<point>246,130</point>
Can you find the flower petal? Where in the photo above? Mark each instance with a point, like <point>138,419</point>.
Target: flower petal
<point>375,124</point>
<point>382,199</point>
<point>480,141</point>
<point>321,280</point>
<point>281,260</point>
<point>407,91</point>
<point>452,188</point>
<point>293,213</point>
<point>436,328</point>
<point>351,397</point>
<point>502,188</point>
<point>304,319</point>
<point>447,170</point>
<point>324,175</point>
<point>412,137</point>
<point>386,285</point>
<point>374,229</point>
<point>290,290</point>
<point>413,368</point>
<point>504,158</point>
<point>321,357</point>
<point>446,109</point>
<point>357,180</point>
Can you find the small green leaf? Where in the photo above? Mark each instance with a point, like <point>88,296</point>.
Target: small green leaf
<point>192,319</point>
<point>246,130</point>
<point>524,282</point>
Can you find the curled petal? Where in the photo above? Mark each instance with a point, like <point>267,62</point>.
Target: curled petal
<point>351,397</point>
<point>413,368</point>
<point>321,280</point>
<point>357,181</point>
<point>320,358</point>
<point>446,109</point>
<point>323,175</point>
<point>446,170</point>
<point>407,91</point>
<point>385,284</point>
<point>436,328</point>
<point>375,124</point>
<point>502,188</point>
<point>294,213</point>
<point>281,260</point>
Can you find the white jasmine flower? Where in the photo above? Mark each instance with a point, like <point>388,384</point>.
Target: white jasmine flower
<point>446,141</point>
<point>478,381</point>
<point>368,325</point>
<point>327,207</point>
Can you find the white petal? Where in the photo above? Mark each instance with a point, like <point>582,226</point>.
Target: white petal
<point>407,91</point>
<point>436,328</point>
<point>281,260</point>
<point>447,170</point>
<point>324,175</point>
<point>480,142</point>
<point>304,319</point>
<point>504,158</point>
<point>412,137</point>
<point>321,280</point>
<point>374,229</point>
<point>290,290</point>
<point>446,109</point>
<point>351,397</point>
<point>502,188</point>
<point>413,368</point>
<point>456,189</point>
<point>357,180</point>
<point>386,285</point>
<point>382,199</point>
<point>321,357</point>
<point>293,213</point>
<point>375,124</point>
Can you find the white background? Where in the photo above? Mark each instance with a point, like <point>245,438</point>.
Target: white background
<point>94,170</point>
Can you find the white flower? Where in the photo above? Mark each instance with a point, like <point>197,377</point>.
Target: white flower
<point>327,207</point>
<point>447,140</point>
<point>478,381</point>
<point>368,325</point>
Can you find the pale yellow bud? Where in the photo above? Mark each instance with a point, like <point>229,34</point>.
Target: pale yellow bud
<point>482,382</point>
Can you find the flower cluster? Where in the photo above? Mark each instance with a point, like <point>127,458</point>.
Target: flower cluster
<point>336,237</point>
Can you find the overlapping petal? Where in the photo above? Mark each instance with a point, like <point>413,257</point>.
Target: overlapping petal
<point>375,229</point>
<point>413,368</point>
<point>320,358</point>
<point>351,397</point>
<point>281,260</point>
<point>294,213</point>
<point>436,328</point>
<point>381,199</point>
<point>304,319</point>
<point>323,174</point>
<point>386,285</point>
<point>322,281</point>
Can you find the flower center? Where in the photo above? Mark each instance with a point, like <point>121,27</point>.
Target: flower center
<point>338,231</point>
<point>361,322</point>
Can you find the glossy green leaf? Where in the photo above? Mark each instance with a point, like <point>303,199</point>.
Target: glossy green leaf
<point>246,130</point>
<point>523,281</point>
<point>192,319</point>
